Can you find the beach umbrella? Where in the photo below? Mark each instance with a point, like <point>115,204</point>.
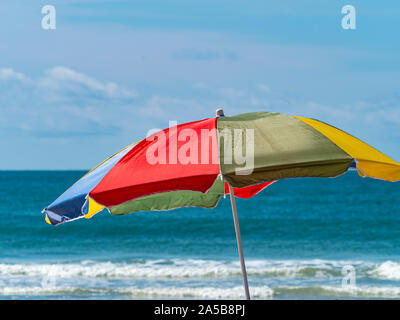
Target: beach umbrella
<point>196,163</point>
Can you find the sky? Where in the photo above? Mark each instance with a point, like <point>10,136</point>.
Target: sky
<point>113,70</point>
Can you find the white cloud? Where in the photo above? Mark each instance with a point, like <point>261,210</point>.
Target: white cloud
<point>231,93</point>
<point>62,78</point>
<point>200,85</point>
<point>263,88</point>
<point>171,108</point>
<point>61,102</point>
<point>9,73</point>
<point>64,103</point>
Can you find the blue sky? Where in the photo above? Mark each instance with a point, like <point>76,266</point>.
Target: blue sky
<point>112,70</point>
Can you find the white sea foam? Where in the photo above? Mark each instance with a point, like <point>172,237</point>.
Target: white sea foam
<point>261,292</point>
<point>173,279</point>
<point>256,292</point>
<point>387,270</point>
<point>356,291</point>
<point>40,291</point>
<point>197,268</point>
<point>179,268</point>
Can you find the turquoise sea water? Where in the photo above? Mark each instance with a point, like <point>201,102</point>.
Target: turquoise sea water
<point>297,236</point>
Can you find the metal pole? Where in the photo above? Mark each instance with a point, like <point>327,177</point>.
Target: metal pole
<point>239,242</point>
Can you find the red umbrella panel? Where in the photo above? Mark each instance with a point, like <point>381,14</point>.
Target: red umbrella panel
<point>173,168</point>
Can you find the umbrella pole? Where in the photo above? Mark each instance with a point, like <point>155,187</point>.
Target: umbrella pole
<point>239,242</point>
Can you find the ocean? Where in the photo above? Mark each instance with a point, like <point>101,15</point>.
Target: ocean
<point>299,238</point>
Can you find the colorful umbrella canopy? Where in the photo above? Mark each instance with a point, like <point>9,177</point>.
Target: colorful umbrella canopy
<point>284,147</point>
<point>196,163</point>
<point>128,182</point>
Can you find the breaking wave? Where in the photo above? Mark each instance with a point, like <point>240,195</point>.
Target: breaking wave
<point>256,292</point>
<point>202,279</point>
<point>190,268</point>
